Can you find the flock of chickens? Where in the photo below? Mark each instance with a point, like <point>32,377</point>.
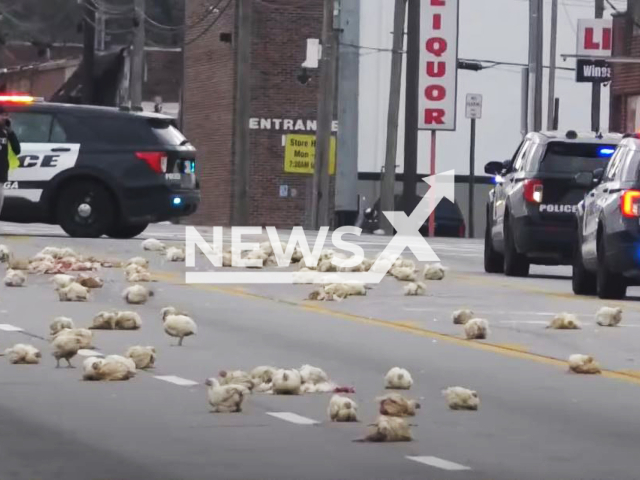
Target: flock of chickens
<point>227,393</point>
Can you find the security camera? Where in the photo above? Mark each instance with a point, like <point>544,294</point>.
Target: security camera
<point>303,77</point>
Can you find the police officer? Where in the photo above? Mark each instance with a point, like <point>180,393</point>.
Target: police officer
<point>9,146</point>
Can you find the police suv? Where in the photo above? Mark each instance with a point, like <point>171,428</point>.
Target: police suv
<point>531,210</point>
<point>97,171</point>
<point>607,258</point>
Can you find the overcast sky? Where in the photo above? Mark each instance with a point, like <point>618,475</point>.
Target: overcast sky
<point>489,30</point>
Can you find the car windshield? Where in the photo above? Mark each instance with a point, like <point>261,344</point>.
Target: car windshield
<point>167,133</point>
<point>563,157</point>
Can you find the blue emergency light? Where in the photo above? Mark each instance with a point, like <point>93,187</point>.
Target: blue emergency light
<point>606,151</point>
<point>177,201</point>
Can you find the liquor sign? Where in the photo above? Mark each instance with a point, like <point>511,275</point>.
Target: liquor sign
<point>595,37</point>
<point>592,71</point>
<point>438,64</point>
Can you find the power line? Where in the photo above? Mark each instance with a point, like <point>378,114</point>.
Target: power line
<point>210,26</point>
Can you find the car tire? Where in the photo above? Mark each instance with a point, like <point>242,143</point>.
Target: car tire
<point>609,285</point>
<point>493,260</point>
<point>127,231</point>
<point>583,281</point>
<point>515,264</point>
<point>78,221</point>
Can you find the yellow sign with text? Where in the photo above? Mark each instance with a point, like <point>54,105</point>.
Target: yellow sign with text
<point>300,154</point>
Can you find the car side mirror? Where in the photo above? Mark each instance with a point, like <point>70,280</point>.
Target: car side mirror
<point>598,174</point>
<point>584,179</point>
<point>494,168</point>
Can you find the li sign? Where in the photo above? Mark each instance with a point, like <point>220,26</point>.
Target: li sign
<point>595,37</point>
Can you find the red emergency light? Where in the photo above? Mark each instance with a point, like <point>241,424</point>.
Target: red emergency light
<point>16,98</point>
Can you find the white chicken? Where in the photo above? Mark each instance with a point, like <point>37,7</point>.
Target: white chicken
<point>83,334</point>
<point>175,254</point>
<point>415,289</point>
<point>15,278</point>
<point>304,276</point>
<point>65,346</point>
<point>584,364</point>
<point>402,262</point>
<point>395,405</point>
<point>225,398</point>
<point>398,379</point>
<point>263,378</point>
<point>177,325</point>
<point>476,329</point>
<point>17,263</point>
<point>23,354</point>
<point>342,409</point>
<point>137,295</point>
<point>389,429</point>
<point>564,321</point>
<point>236,377</point>
<point>62,280</point>
<point>90,368</point>
<point>404,274</point>
<point>139,261</point>
<point>5,253</point>
<point>59,324</point>
<point>461,317</point>
<point>322,296</point>
<point>73,293</point>
<point>153,245</point>
<point>104,321</point>
<point>433,271</point>
<point>143,357</point>
<point>287,382</point>
<point>609,317</point>
<point>315,380</point>
<point>459,398</point>
<point>137,275</point>
<point>112,368</point>
<point>344,290</point>
<point>127,320</point>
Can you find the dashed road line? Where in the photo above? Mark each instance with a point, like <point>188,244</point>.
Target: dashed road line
<point>439,463</point>
<point>10,328</point>
<point>89,353</point>
<point>182,382</point>
<point>293,418</point>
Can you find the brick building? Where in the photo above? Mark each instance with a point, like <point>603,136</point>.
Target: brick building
<point>280,104</point>
<point>625,84</point>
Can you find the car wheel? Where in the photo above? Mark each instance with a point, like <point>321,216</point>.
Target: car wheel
<point>127,231</point>
<point>609,285</point>
<point>583,281</point>
<point>85,209</point>
<point>493,260</point>
<point>515,264</point>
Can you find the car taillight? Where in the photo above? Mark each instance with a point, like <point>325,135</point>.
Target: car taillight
<point>533,191</point>
<point>630,203</point>
<point>156,160</point>
<point>461,231</point>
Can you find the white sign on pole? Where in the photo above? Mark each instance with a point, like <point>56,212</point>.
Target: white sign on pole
<point>438,64</point>
<point>474,106</point>
<point>595,37</point>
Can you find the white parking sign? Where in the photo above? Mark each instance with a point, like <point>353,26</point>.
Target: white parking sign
<point>474,105</point>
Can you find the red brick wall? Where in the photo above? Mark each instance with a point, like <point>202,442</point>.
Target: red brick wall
<point>209,106</point>
<point>626,77</point>
<point>278,50</point>
<point>164,75</point>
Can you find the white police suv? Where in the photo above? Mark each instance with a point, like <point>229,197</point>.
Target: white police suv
<point>97,171</point>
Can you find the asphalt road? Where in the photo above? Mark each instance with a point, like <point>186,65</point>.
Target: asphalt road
<point>536,420</point>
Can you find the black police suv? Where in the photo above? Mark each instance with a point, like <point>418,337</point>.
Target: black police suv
<point>449,221</point>
<point>97,171</point>
<point>530,212</point>
<point>607,255</point>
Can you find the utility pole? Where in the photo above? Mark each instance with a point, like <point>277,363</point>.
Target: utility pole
<point>411,107</point>
<point>326,100</point>
<point>596,90</point>
<point>552,64</point>
<point>88,53</point>
<point>137,55</point>
<point>100,28</point>
<point>535,64</point>
<point>244,17</point>
<point>387,194</point>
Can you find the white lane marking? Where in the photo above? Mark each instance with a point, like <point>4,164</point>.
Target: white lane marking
<point>183,382</point>
<point>293,418</point>
<point>10,328</point>
<point>89,353</point>
<point>439,463</point>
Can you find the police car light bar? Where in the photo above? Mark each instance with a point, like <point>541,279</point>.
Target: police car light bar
<point>606,151</point>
